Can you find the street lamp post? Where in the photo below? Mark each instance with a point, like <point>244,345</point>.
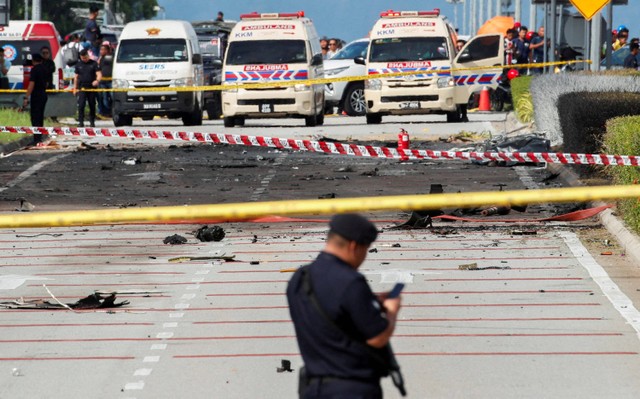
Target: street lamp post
<point>159,8</point>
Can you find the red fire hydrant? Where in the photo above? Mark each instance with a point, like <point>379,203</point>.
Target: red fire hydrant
<point>403,144</point>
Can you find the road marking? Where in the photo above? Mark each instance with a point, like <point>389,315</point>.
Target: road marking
<point>133,386</point>
<point>164,335</point>
<point>264,183</point>
<point>158,347</point>
<point>170,325</point>
<point>620,301</point>
<point>181,306</point>
<point>143,372</point>
<point>151,359</point>
<point>12,281</point>
<point>32,170</point>
<point>176,315</point>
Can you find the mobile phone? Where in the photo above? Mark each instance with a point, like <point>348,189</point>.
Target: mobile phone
<point>395,292</point>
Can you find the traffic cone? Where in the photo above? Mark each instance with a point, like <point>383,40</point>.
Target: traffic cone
<point>485,101</point>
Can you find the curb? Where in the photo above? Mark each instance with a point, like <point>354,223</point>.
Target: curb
<point>629,241</point>
<point>16,145</point>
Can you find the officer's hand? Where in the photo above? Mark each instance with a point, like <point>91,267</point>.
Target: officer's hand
<point>392,305</point>
<point>75,92</point>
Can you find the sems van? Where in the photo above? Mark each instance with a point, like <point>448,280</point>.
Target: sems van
<point>162,61</point>
<point>268,49</point>
<point>441,81</point>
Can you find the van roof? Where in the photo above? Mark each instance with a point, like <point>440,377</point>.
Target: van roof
<point>409,23</point>
<point>267,29</point>
<point>169,29</point>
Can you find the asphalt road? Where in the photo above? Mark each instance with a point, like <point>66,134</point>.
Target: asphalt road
<point>537,317</point>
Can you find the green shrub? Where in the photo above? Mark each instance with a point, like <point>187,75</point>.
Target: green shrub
<point>522,102</point>
<point>11,117</point>
<point>623,138</point>
<point>584,115</point>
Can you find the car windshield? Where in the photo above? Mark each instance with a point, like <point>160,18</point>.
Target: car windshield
<point>352,50</point>
<point>209,46</point>
<point>152,50</point>
<point>266,52</point>
<point>409,49</point>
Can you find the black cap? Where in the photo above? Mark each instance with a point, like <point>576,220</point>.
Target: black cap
<point>353,227</point>
<point>36,57</point>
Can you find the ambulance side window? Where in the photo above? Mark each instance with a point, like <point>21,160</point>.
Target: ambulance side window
<point>483,47</point>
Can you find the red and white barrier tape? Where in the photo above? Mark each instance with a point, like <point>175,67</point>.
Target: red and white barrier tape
<point>335,147</point>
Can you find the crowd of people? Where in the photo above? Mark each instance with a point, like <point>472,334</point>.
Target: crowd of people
<point>330,47</point>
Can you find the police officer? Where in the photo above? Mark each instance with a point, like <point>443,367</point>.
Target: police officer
<point>88,76</point>
<point>336,367</point>
<point>37,94</point>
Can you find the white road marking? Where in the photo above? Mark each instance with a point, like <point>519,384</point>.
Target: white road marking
<point>170,325</point>
<point>188,296</point>
<point>158,347</point>
<point>13,281</point>
<point>620,301</point>
<point>164,335</point>
<point>143,372</point>
<point>176,315</point>
<point>181,306</point>
<point>193,287</point>
<point>29,172</point>
<point>134,386</point>
<point>151,359</point>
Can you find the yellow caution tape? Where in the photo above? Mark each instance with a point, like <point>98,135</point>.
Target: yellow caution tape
<point>309,82</point>
<point>245,211</point>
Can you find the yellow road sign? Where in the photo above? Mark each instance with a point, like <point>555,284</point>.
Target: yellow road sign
<point>589,8</point>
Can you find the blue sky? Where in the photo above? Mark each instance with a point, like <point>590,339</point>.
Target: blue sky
<point>347,19</point>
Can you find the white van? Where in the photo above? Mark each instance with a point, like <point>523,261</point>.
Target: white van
<point>161,55</point>
<point>417,41</point>
<point>23,38</point>
<point>272,48</point>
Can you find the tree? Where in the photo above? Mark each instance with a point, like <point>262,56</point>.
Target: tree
<point>61,14</point>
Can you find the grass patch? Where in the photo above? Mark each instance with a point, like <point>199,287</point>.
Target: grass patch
<point>623,137</point>
<point>521,95</point>
<point>11,117</point>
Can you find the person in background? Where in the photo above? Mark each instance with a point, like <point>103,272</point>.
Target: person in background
<point>71,50</point>
<point>324,47</point>
<point>88,76</point>
<point>106,66</point>
<point>521,48</point>
<point>49,65</point>
<point>220,17</point>
<point>37,94</point>
<point>333,48</point>
<point>508,46</point>
<point>631,61</point>
<point>92,32</point>
<point>5,64</point>
<point>460,44</point>
<point>537,48</point>
<point>623,36</point>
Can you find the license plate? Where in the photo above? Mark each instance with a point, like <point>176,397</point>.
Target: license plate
<point>266,108</point>
<point>410,105</point>
<point>151,106</point>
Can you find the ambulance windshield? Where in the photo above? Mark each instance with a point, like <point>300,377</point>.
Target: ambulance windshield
<point>398,49</point>
<point>152,50</point>
<point>247,52</point>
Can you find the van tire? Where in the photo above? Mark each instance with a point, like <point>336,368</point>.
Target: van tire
<point>122,120</point>
<point>240,121</point>
<point>354,104</point>
<point>454,116</point>
<point>311,121</point>
<point>213,110</point>
<point>374,119</point>
<point>193,118</point>
<point>229,121</point>
<point>320,119</point>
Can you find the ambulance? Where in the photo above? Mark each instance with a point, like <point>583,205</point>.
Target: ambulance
<point>423,42</point>
<point>268,49</point>
<point>162,60</point>
<point>21,39</point>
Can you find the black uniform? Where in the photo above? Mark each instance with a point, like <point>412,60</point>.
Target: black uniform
<point>335,365</point>
<point>38,98</point>
<point>50,67</point>
<point>87,73</point>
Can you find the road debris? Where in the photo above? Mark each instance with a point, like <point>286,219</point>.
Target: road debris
<point>416,221</point>
<point>496,210</point>
<point>327,196</point>
<point>175,239</point>
<point>25,206</point>
<point>180,259</point>
<point>606,253</point>
<point>524,233</point>
<point>93,301</point>
<point>474,266</point>
<point>285,366</point>
<point>132,161</point>
<point>40,235</point>
<point>396,245</point>
<point>373,250</point>
<point>213,233</point>
<point>522,143</point>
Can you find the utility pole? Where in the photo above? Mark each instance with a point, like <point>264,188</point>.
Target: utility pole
<point>36,12</point>
<point>498,7</point>
<point>518,11</point>
<point>596,41</point>
<point>481,14</point>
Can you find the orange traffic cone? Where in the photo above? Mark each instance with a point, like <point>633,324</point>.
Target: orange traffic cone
<point>485,101</point>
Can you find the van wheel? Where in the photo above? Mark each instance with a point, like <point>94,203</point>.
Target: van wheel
<point>354,104</point>
<point>213,110</point>
<point>374,119</point>
<point>311,120</point>
<point>240,121</point>
<point>229,121</point>
<point>320,119</point>
<point>122,120</point>
<point>193,118</point>
<point>454,116</point>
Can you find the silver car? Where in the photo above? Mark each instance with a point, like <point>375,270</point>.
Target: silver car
<point>347,96</point>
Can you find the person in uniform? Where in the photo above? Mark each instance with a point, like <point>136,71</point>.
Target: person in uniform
<point>335,366</point>
<point>88,76</point>
<point>37,94</point>
<point>49,65</point>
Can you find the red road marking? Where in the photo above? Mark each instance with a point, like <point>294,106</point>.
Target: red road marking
<point>508,279</point>
<point>385,249</point>
<point>74,325</point>
<point>366,270</point>
<point>157,283</point>
<point>239,355</point>
<point>71,358</point>
<point>431,292</point>
<point>108,273</point>
<point>427,320</point>
<point>165,263</point>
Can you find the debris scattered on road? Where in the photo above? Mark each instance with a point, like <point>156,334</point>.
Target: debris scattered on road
<point>132,161</point>
<point>327,196</point>
<point>39,235</point>
<point>468,266</point>
<point>373,250</point>
<point>175,239</point>
<point>347,169</point>
<point>496,210</point>
<point>180,259</point>
<point>396,245</point>
<point>85,146</point>
<point>93,301</point>
<point>285,366</point>
<point>524,233</point>
<point>474,266</point>
<point>606,253</point>
<point>370,173</point>
<point>254,262</point>
<point>416,221</point>
<point>25,206</point>
<point>522,143</point>
<point>213,233</point>
<point>254,239</point>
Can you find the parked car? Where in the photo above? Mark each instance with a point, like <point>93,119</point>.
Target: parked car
<point>347,96</point>
<point>110,33</point>
<point>212,38</point>
<point>617,58</point>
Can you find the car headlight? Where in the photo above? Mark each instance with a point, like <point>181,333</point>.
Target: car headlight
<point>119,83</point>
<point>233,87</point>
<point>301,87</point>
<point>445,82</point>
<point>335,71</point>
<point>373,84</point>
<point>183,82</point>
